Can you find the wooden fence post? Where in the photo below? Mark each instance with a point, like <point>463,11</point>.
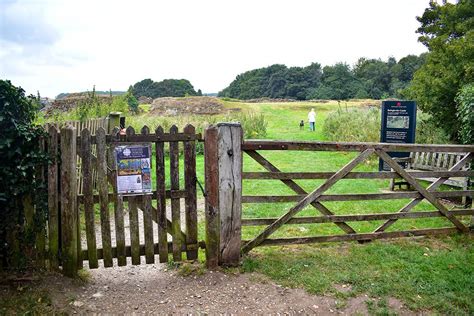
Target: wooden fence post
<point>114,121</point>
<point>223,169</point>
<point>69,201</point>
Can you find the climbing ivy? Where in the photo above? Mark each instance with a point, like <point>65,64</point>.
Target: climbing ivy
<point>20,157</point>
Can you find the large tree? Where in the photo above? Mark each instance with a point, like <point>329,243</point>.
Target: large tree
<point>165,88</point>
<point>447,30</point>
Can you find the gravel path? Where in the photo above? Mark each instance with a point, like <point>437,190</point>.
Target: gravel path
<point>154,289</point>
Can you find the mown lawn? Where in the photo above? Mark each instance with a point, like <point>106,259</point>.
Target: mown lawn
<point>432,274</point>
<point>427,274</point>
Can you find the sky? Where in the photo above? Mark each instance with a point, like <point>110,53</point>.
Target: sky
<point>55,46</point>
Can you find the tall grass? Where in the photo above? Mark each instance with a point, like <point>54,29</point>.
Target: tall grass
<point>363,125</point>
<point>353,125</point>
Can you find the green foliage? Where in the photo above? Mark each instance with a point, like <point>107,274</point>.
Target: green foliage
<point>465,114</point>
<point>427,132</point>
<point>20,155</point>
<point>276,81</point>
<point>353,125</point>
<point>165,88</point>
<point>253,124</point>
<point>448,31</point>
<point>369,78</point>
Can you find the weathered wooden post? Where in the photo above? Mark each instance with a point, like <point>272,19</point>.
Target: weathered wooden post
<point>114,121</point>
<point>69,201</point>
<point>223,169</point>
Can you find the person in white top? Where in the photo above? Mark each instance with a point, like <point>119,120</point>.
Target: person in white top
<point>312,120</point>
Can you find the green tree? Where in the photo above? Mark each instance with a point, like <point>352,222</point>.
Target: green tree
<point>447,30</point>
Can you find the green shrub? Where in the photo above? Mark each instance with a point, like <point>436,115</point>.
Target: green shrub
<point>20,156</point>
<point>253,124</point>
<point>465,113</point>
<point>353,125</point>
<point>427,132</point>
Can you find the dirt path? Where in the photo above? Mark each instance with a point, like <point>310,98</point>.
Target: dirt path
<point>155,289</point>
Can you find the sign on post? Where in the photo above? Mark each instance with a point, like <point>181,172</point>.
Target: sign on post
<point>133,169</point>
<point>398,126</point>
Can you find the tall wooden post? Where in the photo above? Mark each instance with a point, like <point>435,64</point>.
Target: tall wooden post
<point>69,210</point>
<point>114,121</point>
<point>223,168</point>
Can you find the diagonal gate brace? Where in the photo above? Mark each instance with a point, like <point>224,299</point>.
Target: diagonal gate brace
<point>311,197</point>
<point>427,195</point>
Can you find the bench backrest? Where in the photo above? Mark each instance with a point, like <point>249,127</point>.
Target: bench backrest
<point>436,161</point>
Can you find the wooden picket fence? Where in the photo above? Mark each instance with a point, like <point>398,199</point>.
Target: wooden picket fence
<point>141,225</point>
<point>66,247</point>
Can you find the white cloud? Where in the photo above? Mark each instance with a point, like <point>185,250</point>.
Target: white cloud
<point>113,44</point>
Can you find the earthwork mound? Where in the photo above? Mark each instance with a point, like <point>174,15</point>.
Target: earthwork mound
<point>188,105</point>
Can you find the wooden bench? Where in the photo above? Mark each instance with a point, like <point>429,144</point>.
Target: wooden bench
<point>432,161</point>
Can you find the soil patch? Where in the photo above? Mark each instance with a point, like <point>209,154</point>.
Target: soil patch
<point>188,105</point>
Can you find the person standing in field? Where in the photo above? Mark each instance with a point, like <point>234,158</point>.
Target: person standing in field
<point>312,120</point>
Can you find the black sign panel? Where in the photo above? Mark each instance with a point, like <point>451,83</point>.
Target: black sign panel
<point>398,126</point>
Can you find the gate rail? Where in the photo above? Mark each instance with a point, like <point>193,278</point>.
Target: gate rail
<point>230,145</point>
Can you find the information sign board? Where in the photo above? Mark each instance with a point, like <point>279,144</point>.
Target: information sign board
<point>133,169</point>
<point>398,126</point>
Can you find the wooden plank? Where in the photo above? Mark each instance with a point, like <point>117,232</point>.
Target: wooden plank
<point>118,208</point>
<point>353,197</point>
<point>307,200</point>
<point>128,250</point>
<point>179,194</point>
<point>41,230</point>
<point>134,230</point>
<point>354,217</point>
<point>361,237</point>
<point>296,188</point>
<point>416,200</point>
<point>103,196</point>
<point>148,228</point>
<point>53,198</point>
<point>425,193</point>
<point>350,146</point>
<point>352,175</point>
<point>147,210</point>
<point>160,198</point>
<point>229,141</point>
<point>89,213</point>
<point>151,138</point>
<point>175,203</point>
<point>190,187</point>
<point>212,198</point>
<point>68,202</point>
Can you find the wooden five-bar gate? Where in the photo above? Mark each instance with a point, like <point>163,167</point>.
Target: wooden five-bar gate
<point>81,226</point>
<point>225,149</point>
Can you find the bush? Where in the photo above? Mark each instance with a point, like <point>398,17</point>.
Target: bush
<point>353,125</point>
<point>427,132</point>
<point>465,113</point>
<point>20,155</point>
<point>253,124</point>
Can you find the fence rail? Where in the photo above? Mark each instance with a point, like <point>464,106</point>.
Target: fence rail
<point>253,148</point>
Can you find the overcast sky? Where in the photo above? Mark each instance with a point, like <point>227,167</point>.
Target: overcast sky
<point>68,46</point>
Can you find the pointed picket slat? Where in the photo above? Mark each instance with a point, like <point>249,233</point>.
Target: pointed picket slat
<point>103,186</point>
<point>175,207</point>
<point>161,202</point>
<point>89,213</point>
<point>191,199</point>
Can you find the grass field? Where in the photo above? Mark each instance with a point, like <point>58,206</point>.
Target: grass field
<point>428,274</point>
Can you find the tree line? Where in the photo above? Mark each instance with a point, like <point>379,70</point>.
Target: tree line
<point>165,88</point>
<point>368,78</point>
